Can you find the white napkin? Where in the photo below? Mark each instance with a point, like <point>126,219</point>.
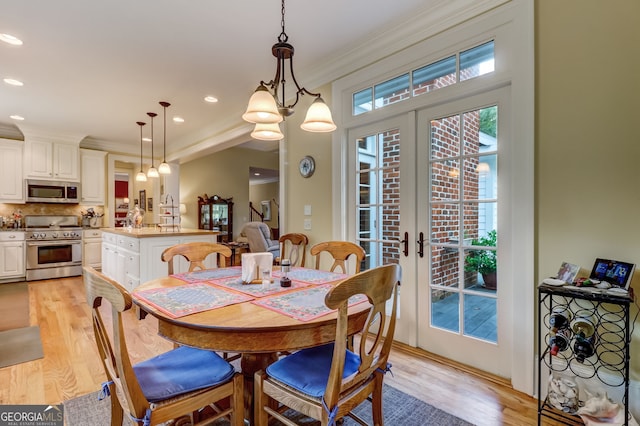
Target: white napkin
<point>253,264</point>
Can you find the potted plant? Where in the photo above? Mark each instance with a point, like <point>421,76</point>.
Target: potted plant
<point>484,262</point>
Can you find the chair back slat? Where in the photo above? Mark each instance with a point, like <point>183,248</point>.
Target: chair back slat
<point>114,351</point>
<point>196,253</point>
<point>340,251</point>
<point>293,246</point>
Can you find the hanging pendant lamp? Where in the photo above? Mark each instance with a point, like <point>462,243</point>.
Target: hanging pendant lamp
<point>164,168</point>
<point>152,172</point>
<point>266,108</point>
<point>267,132</point>
<point>141,177</point>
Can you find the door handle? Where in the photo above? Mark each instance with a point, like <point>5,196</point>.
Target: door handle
<point>405,244</point>
<point>421,245</point>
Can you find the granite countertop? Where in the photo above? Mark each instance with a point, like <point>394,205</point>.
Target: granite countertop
<point>150,232</point>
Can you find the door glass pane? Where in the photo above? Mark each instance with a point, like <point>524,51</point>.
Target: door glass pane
<point>445,223</point>
<point>378,209</point>
<point>445,137</point>
<point>445,180</point>
<point>445,306</point>
<point>463,221</point>
<point>444,266</point>
<point>480,317</point>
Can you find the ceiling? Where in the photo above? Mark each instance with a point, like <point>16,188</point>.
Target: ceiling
<point>92,69</point>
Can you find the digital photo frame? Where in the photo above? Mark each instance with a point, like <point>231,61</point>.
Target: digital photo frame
<point>616,273</point>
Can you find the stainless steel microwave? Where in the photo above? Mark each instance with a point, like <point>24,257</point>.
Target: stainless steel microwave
<point>44,191</point>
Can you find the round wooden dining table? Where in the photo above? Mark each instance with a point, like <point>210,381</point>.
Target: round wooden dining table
<point>259,334</point>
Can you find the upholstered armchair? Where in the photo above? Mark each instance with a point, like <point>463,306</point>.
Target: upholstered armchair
<point>259,238</point>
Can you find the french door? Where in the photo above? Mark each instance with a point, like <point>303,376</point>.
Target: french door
<point>428,190</point>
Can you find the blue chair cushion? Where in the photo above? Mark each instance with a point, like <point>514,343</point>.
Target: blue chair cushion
<point>179,371</point>
<point>308,369</point>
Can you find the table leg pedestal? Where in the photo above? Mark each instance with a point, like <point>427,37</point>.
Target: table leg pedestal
<point>250,363</point>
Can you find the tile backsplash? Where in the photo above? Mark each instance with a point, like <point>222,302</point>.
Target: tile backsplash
<point>7,210</point>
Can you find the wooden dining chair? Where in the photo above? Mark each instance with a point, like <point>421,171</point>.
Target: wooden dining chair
<point>293,246</point>
<point>340,251</point>
<point>196,253</point>
<point>327,382</point>
<point>173,384</point>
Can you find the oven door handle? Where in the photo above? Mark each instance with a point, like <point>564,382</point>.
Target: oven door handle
<point>52,243</point>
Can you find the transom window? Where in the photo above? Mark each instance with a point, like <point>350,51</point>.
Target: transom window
<point>461,66</point>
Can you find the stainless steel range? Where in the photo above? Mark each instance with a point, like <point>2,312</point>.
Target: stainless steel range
<point>54,247</point>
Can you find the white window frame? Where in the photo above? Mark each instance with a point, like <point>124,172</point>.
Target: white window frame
<point>510,23</point>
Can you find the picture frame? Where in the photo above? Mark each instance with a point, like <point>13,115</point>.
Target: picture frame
<point>150,204</point>
<point>266,209</point>
<point>615,272</point>
<point>143,199</point>
<point>568,272</point>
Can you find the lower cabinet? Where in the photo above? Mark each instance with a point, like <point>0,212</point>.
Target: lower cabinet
<point>132,261</point>
<point>12,255</point>
<point>92,248</point>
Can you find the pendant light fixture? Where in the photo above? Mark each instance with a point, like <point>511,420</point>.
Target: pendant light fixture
<point>267,132</point>
<point>164,168</point>
<point>266,108</point>
<point>152,172</point>
<point>141,177</point>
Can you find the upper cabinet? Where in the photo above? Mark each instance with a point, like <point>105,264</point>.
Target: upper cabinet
<point>51,160</point>
<point>11,182</point>
<point>93,176</point>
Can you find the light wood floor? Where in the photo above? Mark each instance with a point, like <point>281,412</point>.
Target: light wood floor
<point>71,366</point>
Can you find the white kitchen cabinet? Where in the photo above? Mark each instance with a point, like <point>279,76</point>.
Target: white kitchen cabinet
<point>134,257</point>
<point>11,176</point>
<point>12,256</point>
<point>51,160</point>
<point>109,255</point>
<point>92,167</point>
<point>92,248</point>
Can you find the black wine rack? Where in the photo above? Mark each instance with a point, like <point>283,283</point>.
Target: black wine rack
<point>610,364</point>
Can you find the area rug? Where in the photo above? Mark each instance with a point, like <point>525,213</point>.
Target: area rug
<point>20,345</point>
<point>14,306</point>
<point>399,409</point>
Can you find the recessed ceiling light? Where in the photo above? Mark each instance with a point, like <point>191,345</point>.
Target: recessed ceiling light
<point>178,120</point>
<point>211,99</point>
<point>8,38</point>
<point>146,139</point>
<point>13,82</point>
<point>16,117</point>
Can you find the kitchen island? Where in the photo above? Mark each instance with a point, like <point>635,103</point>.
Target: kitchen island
<point>133,256</point>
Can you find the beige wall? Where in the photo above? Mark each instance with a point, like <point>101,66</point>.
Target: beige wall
<point>226,174</point>
<point>587,143</point>
<point>315,190</point>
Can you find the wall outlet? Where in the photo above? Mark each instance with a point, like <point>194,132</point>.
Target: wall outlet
<point>307,224</point>
<point>307,210</point>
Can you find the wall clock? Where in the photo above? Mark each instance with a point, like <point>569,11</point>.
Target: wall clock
<point>307,166</point>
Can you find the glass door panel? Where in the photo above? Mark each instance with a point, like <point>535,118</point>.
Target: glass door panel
<point>459,305</point>
<point>377,152</point>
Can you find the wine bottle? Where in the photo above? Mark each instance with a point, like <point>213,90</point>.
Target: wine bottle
<point>583,325</point>
<point>584,347</point>
<point>559,340</point>
<point>560,318</point>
